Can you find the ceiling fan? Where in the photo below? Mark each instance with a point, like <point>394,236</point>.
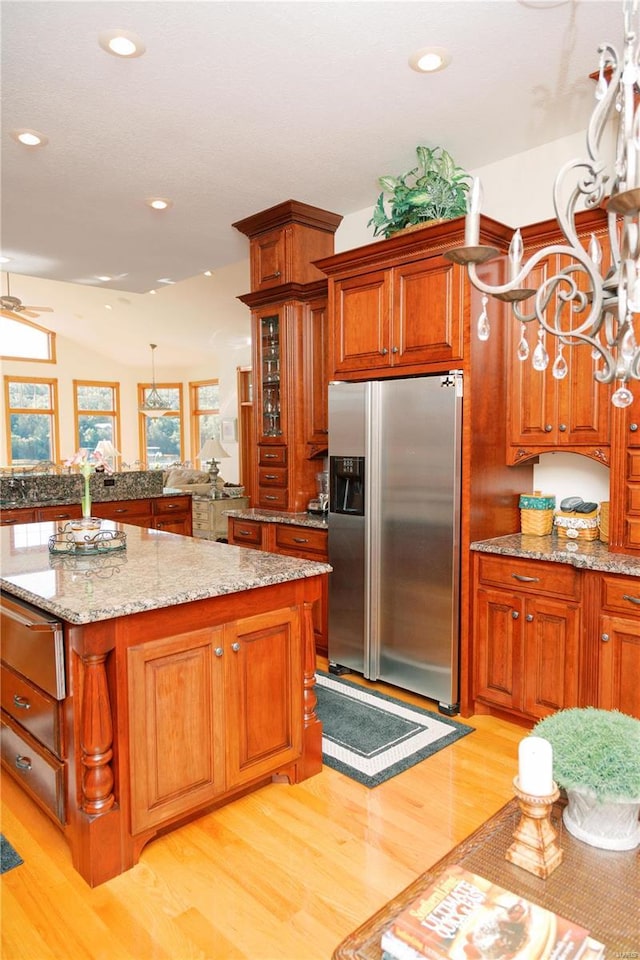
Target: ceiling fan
<point>10,306</point>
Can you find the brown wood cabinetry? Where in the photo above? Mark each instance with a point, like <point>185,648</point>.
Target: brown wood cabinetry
<point>624,533</point>
<point>548,636</point>
<point>571,414</point>
<point>305,543</point>
<point>157,513</point>
<point>202,723</point>
<point>289,333</point>
<point>526,636</point>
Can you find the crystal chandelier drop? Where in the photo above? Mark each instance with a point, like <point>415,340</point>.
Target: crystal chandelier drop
<point>580,303</point>
<point>153,404</point>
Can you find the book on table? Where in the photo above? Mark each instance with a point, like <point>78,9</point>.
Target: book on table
<point>462,916</point>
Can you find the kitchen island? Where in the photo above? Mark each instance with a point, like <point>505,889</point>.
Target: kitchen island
<point>144,686</point>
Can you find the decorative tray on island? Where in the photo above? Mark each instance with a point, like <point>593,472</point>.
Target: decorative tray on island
<point>76,538</point>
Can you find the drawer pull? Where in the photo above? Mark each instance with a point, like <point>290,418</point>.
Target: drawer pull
<point>268,496</point>
<point>301,540</point>
<point>23,763</point>
<point>218,651</point>
<point>235,647</point>
<point>625,596</point>
<point>271,476</point>
<point>514,614</point>
<point>62,516</point>
<point>518,576</point>
<point>244,533</point>
<point>120,510</point>
<point>605,638</point>
<point>269,456</point>
<point>21,702</point>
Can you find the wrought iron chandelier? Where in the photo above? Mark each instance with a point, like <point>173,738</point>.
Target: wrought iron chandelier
<point>580,303</point>
<point>153,404</point>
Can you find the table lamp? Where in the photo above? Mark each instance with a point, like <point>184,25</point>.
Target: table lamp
<point>213,451</point>
<point>107,451</point>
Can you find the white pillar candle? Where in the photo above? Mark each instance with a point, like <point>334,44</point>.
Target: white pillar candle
<point>472,222</point>
<point>535,767</point>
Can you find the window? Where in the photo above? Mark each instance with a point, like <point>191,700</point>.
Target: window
<point>161,438</point>
<point>32,420</point>
<point>97,413</point>
<point>205,414</point>
<point>23,340</point>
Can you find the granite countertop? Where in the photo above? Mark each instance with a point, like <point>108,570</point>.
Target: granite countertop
<point>157,569</point>
<point>273,516</point>
<point>31,503</point>
<point>586,555</point>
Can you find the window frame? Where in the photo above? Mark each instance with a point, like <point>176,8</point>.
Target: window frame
<point>114,414</point>
<point>52,412</point>
<point>51,336</point>
<point>196,412</point>
<point>142,419</point>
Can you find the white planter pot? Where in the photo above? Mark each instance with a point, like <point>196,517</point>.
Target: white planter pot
<point>610,825</point>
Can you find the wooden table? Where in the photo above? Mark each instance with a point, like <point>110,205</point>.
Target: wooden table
<point>599,889</point>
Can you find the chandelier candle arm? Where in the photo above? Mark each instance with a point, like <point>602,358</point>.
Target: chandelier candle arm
<point>610,300</point>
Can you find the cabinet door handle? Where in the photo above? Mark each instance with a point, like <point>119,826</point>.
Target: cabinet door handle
<point>605,638</point>
<point>519,576</point>
<point>394,350</point>
<point>514,614</point>
<point>384,351</point>
<point>625,596</point>
<point>21,702</point>
<point>23,763</point>
<point>301,540</point>
<point>563,428</point>
<point>235,647</point>
<point>529,617</point>
<point>633,427</point>
<point>218,651</point>
<point>548,428</point>
<point>272,276</point>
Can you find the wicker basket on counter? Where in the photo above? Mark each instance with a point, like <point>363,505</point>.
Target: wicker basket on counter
<point>576,526</point>
<point>604,521</point>
<point>536,513</point>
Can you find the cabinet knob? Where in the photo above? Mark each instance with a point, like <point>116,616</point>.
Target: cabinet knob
<point>515,615</point>
<point>218,651</point>
<point>23,763</point>
<point>235,647</point>
<point>529,617</point>
<point>605,638</point>
<point>563,428</point>
<point>394,350</point>
<point>548,428</point>
<point>384,351</point>
<point>21,702</point>
<point>633,427</point>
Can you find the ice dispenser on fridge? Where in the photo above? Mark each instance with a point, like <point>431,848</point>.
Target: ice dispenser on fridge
<point>347,485</point>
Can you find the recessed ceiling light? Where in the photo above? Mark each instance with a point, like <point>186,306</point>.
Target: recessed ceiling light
<point>208,273</point>
<point>121,43</point>
<point>159,203</point>
<point>108,306</point>
<point>5,259</point>
<point>104,279</point>
<point>153,292</point>
<point>29,138</point>
<point>165,280</point>
<point>430,59</point>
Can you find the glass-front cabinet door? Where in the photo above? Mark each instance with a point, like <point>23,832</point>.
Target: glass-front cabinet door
<point>271,396</point>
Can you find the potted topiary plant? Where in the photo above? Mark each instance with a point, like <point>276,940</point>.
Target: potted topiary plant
<point>596,759</point>
<point>434,190</point>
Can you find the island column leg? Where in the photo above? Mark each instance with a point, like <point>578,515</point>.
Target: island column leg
<point>311,761</point>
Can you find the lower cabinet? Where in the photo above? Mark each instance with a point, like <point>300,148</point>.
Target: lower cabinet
<point>212,710</point>
<point>548,636</point>
<point>305,543</point>
<point>209,517</point>
<point>157,513</point>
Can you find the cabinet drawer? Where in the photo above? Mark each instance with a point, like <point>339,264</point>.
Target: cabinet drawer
<point>633,499</point>
<point>621,595</point>
<point>199,511</point>
<point>245,532</point>
<point>71,512</point>
<point>301,539</point>
<point>633,465</point>
<point>272,476</point>
<point>33,709</point>
<point>40,773</point>
<point>530,576</point>
<point>273,498</point>
<point>33,646</point>
<point>272,456</point>
<point>121,509</point>
<point>164,505</point>
<point>20,515</point>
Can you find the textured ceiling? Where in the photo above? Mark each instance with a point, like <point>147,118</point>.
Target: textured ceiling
<point>236,106</point>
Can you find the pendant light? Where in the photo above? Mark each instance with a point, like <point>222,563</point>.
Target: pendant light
<point>153,404</point>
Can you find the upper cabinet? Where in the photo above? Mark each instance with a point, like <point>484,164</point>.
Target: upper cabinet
<point>288,302</point>
<point>570,413</point>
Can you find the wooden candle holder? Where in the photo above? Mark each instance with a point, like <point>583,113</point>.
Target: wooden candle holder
<point>535,847</point>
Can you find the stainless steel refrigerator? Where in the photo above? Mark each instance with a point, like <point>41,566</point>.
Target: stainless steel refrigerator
<point>394,532</point>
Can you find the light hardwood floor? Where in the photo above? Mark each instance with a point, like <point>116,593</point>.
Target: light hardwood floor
<point>282,874</point>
